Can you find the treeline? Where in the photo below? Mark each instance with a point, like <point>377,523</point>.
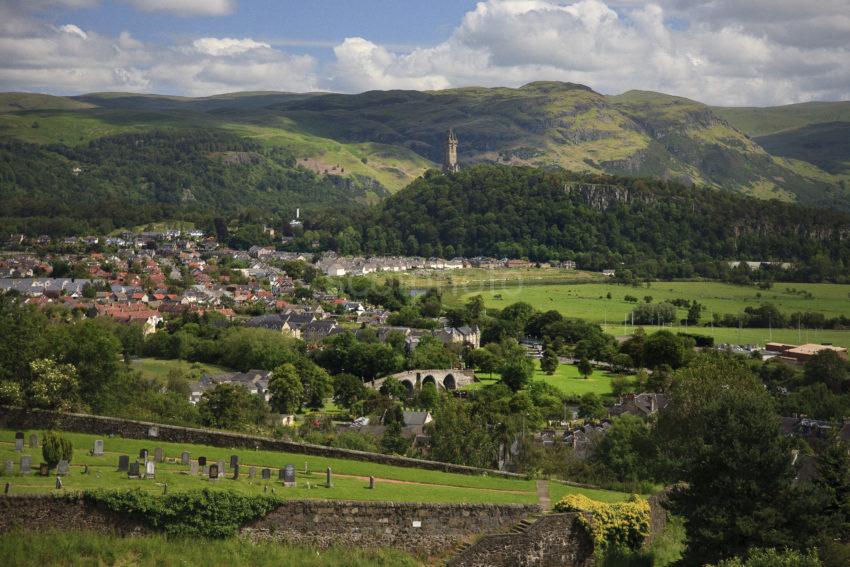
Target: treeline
<point>656,229</point>
<point>132,179</point>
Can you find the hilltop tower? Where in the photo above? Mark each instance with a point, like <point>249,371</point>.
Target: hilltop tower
<point>450,164</point>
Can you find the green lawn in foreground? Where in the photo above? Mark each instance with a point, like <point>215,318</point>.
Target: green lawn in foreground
<point>589,301</point>
<point>393,483</point>
<point>158,368</point>
<point>87,548</point>
<point>566,378</point>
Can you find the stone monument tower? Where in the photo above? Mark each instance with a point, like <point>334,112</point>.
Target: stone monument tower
<point>450,164</point>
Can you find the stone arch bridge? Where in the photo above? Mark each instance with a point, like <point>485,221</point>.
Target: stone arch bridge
<point>447,379</point>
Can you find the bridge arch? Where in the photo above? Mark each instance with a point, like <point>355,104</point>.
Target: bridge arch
<point>449,382</point>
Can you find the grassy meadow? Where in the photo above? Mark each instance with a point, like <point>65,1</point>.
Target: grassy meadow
<point>566,378</point>
<point>350,478</point>
<point>158,369</point>
<point>87,549</point>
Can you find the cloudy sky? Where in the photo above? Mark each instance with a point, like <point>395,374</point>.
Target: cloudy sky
<point>728,52</point>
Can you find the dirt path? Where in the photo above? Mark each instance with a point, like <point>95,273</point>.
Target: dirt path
<point>543,494</point>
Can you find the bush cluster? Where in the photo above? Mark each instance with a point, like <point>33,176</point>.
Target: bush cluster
<point>618,524</point>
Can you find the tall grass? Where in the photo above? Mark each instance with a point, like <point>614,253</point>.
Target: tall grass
<point>90,549</point>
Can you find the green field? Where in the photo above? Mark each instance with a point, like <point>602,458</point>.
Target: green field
<point>398,484</point>
<point>88,549</point>
<point>158,369</point>
<point>566,378</point>
<point>469,281</point>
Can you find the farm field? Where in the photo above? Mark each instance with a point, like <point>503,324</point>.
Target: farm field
<point>755,337</point>
<point>350,478</point>
<point>566,378</point>
<point>88,548</point>
<point>158,368</point>
<point>467,280</point>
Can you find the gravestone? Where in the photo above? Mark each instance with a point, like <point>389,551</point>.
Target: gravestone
<point>193,468</point>
<point>280,474</point>
<point>289,475</point>
<point>33,441</point>
<point>235,471</point>
<point>158,455</point>
<point>98,448</point>
<point>202,461</point>
<point>58,482</point>
<point>371,483</point>
<point>19,441</point>
<point>252,472</point>
<point>205,470</point>
<point>133,470</point>
<point>123,463</point>
<point>185,458</point>
<point>150,469</point>
<point>266,474</point>
<point>328,478</point>
<point>221,469</point>
<point>85,469</point>
<point>143,455</point>
<point>8,488</point>
<point>26,464</point>
<point>234,460</point>
<point>62,468</point>
<point>213,475</point>
<point>9,469</point>
<point>43,469</point>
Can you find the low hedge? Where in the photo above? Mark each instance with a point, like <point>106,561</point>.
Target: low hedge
<point>618,524</point>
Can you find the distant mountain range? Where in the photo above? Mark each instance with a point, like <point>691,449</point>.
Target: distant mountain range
<point>380,141</point>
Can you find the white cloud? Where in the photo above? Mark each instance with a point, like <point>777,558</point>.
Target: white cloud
<point>626,44</point>
<point>187,7</point>
<point>74,30</point>
<point>226,46</point>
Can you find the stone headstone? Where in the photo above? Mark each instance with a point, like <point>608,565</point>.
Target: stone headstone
<point>98,448</point>
<point>150,469</point>
<point>62,468</point>
<point>43,469</point>
<point>158,455</point>
<point>33,441</point>
<point>193,468</point>
<point>205,470</point>
<point>202,461</point>
<point>26,464</point>
<point>221,469</point>
<point>185,458</point>
<point>58,482</point>
<point>328,478</point>
<point>123,463</point>
<point>235,471</point>
<point>234,460</point>
<point>289,475</point>
<point>19,441</point>
<point>133,470</point>
<point>9,468</point>
<point>371,483</point>
<point>143,455</point>
<point>213,472</point>
<point>266,474</point>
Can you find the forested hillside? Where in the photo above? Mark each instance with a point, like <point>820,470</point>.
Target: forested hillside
<point>601,221</point>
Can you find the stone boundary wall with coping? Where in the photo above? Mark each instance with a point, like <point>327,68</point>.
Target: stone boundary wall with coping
<point>19,418</point>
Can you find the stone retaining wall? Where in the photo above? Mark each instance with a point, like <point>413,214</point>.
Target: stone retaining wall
<point>38,512</point>
<point>18,418</point>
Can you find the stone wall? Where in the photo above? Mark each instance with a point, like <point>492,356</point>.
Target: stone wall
<point>423,529</point>
<point>17,418</point>
<point>36,512</point>
<point>555,540</point>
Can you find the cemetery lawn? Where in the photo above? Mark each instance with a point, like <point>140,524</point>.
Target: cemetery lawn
<point>89,548</point>
<point>158,368</point>
<point>566,378</point>
<point>350,478</point>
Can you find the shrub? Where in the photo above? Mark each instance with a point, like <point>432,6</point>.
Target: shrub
<point>56,448</point>
<point>619,524</point>
<point>203,513</point>
<point>772,558</point>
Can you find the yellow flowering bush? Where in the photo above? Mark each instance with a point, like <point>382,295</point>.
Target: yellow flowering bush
<point>618,524</point>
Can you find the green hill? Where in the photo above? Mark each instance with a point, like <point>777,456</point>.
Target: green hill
<point>17,102</point>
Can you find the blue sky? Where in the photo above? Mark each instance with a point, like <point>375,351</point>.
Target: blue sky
<point>727,52</point>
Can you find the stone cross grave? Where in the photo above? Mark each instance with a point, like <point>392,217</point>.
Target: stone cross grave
<point>133,470</point>
<point>185,458</point>
<point>62,468</point>
<point>19,441</point>
<point>158,455</point>
<point>33,440</point>
<point>150,469</point>
<point>266,474</point>
<point>26,464</point>
<point>123,463</point>
<point>213,472</point>
<point>98,448</point>
<point>289,475</point>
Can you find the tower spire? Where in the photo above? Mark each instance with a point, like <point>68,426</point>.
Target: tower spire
<point>450,164</point>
